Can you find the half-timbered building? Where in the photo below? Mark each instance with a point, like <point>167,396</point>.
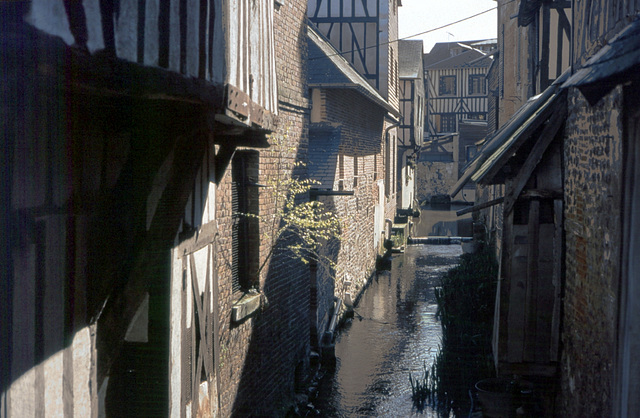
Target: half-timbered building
<point>134,136</point>
<point>411,129</point>
<point>456,86</point>
<point>365,32</point>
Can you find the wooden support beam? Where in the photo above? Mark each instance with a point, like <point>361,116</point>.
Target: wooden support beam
<point>546,137</point>
<point>153,251</point>
<point>480,206</point>
<point>541,194</point>
<point>531,299</point>
<point>223,158</point>
<point>544,59</point>
<point>554,346</point>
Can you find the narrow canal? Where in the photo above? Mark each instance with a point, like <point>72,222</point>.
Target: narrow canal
<point>394,331</point>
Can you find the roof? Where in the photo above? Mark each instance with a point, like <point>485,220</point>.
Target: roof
<point>502,146</point>
<point>410,59</point>
<point>329,69</point>
<point>443,50</point>
<point>602,72</point>
<point>470,58</point>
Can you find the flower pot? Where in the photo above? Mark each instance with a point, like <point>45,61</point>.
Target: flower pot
<point>500,397</point>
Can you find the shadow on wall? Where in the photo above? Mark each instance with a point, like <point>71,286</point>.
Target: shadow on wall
<point>277,358</point>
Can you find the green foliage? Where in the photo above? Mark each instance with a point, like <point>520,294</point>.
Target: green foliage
<point>397,239</point>
<point>296,227</point>
<point>424,390</point>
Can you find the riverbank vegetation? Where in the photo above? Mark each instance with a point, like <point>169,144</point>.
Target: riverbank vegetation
<point>465,299</point>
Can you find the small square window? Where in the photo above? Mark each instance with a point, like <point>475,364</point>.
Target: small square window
<point>477,116</point>
<point>477,84</point>
<point>448,85</point>
<point>446,122</point>
<point>470,151</point>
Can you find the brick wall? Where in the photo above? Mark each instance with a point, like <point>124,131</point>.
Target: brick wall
<point>593,186</point>
<point>261,356</point>
<point>360,131</point>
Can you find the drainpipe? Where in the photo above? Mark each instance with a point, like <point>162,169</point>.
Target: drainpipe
<point>386,137</point>
<point>390,127</point>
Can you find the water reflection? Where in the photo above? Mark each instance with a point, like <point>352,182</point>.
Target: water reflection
<point>394,331</point>
<point>441,220</point>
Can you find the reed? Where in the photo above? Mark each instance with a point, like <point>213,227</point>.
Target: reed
<point>465,300</point>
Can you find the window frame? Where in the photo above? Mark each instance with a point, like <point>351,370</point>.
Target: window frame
<point>245,198</point>
<point>452,121</point>
<point>483,84</point>
<point>442,90</point>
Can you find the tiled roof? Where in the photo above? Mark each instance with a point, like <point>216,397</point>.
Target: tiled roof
<point>329,69</point>
<point>410,59</point>
<point>446,51</point>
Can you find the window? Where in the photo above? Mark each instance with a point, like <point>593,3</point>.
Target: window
<point>446,122</point>
<point>470,151</point>
<point>244,200</point>
<point>477,84</point>
<point>448,85</point>
<point>477,116</point>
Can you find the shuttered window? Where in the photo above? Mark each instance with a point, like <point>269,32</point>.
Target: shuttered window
<point>244,230</point>
<point>446,123</point>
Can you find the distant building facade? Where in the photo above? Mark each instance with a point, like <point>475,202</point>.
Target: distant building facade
<point>455,76</point>
<point>456,86</point>
<point>411,129</point>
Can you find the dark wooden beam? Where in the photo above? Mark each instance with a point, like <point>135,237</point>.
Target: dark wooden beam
<point>546,137</point>
<point>314,193</point>
<point>480,206</point>
<point>544,59</point>
<point>223,159</point>
<point>154,249</point>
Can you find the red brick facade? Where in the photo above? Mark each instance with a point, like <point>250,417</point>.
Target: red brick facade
<point>360,168</point>
<point>261,355</point>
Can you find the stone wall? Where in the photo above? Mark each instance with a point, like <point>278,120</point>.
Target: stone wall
<point>593,185</point>
<point>434,178</point>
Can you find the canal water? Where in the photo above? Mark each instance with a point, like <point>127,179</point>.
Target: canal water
<point>394,332</point>
<point>441,220</point>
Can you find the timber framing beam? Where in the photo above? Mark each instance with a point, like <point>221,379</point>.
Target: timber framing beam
<point>546,137</point>
<point>153,250</point>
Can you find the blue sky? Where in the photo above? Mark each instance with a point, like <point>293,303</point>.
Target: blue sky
<point>420,15</point>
